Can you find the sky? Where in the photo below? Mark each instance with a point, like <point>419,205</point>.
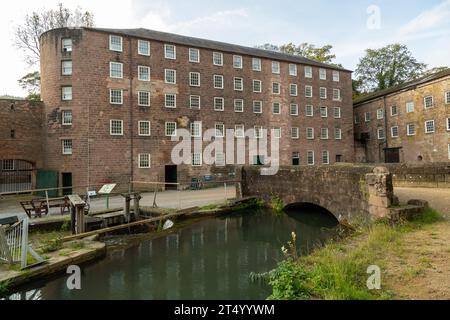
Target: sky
<point>350,26</point>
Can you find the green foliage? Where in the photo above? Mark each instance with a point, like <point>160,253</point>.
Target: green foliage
<point>276,204</point>
<point>52,245</point>
<point>31,82</point>
<point>65,226</point>
<point>389,66</point>
<point>288,281</point>
<point>4,288</point>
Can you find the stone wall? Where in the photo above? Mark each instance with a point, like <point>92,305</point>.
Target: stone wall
<point>350,192</point>
<point>431,175</point>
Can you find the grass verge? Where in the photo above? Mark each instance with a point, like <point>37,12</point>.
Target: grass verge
<point>338,271</point>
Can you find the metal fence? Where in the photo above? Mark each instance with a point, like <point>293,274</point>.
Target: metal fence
<point>15,175</point>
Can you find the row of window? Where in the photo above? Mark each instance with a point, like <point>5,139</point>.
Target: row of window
<point>170,52</point>
<point>428,102</point>
<point>411,129</point>
<point>170,77</point>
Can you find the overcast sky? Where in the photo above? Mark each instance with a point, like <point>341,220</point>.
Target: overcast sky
<point>350,26</point>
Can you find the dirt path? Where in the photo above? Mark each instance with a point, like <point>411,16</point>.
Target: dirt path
<point>419,266</point>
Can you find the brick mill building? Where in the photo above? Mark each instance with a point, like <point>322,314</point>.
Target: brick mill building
<point>408,123</point>
<point>113,99</point>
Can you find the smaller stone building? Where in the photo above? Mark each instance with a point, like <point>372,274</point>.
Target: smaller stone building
<point>409,123</point>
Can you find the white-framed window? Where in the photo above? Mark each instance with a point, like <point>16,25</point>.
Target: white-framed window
<point>276,108</point>
<point>324,133</point>
<point>276,132</point>
<point>219,104</point>
<point>336,76</point>
<point>143,47</point>
<point>293,109</point>
<point>218,58</point>
<point>238,84</point>
<point>325,157</point>
<point>356,120</point>
<point>308,91</point>
<point>194,55</point>
<point>257,86</point>
<point>238,105</point>
<point>219,159</point>
<point>429,126</point>
<point>170,100</point>
<point>322,74</point>
<point>309,111</point>
<point>116,70</point>
<point>143,98</point>
<point>296,158</point>
<point>66,44</point>
<point>394,111</point>
<point>292,69</point>
<point>66,93</point>
<point>380,114</point>
<point>194,79</point>
<point>170,51</point>
<point>324,112</point>
<point>448,151</point>
<point>428,102</point>
<point>337,133</point>
<point>275,67</point>
<point>144,128</point>
<point>220,129</point>
<point>336,95</point>
<point>171,129</point>
<point>337,112</point>
<point>310,158</point>
<point>66,146</point>
<point>115,96</point>
<point>409,107</point>
<point>394,132</point>
<point>323,93</point>
<point>170,76</point>
<point>143,73</point>
<point>295,133</point>
<point>218,81</point>
<point>308,72</point>
<point>367,117</point>
<point>194,102</point>
<point>381,134</point>
<point>144,160</point>
<point>237,62</point>
<point>257,106</point>
<point>196,129</point>
<point>196,159</point>
<point>258,131</point>
<point>239,131</point>
<point>411,129</point>
<point>256,64</point>
<point>115,43</point>
<point>447,97</point>
<point>66,67</point>
<point>66,117</point>
<point>310,133</point>
<point>116,127</point>
<point>293,90</point>
<point>448,124</point>
<point>276,88</point>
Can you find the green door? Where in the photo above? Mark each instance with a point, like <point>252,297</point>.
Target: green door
<point>47,179</point>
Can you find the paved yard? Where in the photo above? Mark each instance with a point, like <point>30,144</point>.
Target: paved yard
<point>165,199</point>
<point>438,199</point>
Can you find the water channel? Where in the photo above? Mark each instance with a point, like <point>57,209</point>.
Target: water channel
<point>210,259</point>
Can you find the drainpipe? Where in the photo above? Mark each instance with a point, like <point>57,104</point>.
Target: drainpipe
<point>130,52</point>
<point>385,142</point>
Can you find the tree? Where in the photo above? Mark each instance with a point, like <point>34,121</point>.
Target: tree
<point>389,66</point>
<point>306,50</point>
<point>31,82</point>
<point>27,35</point>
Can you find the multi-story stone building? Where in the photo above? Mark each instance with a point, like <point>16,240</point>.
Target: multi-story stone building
<point>407,123</point>
<point>113,99</point>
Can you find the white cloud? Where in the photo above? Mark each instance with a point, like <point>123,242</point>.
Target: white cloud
<point>428,19</point>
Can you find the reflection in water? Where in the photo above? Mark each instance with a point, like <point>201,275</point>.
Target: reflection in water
<point>211,259</point>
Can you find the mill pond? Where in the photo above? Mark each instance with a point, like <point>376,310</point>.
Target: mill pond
<point>210,259</point>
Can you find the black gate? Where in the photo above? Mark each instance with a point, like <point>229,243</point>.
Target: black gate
<point>15,175</point>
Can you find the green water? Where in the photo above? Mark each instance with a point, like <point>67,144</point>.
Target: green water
<point>211,259</point>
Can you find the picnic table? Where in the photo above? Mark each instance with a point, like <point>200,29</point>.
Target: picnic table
<point>38,207</point>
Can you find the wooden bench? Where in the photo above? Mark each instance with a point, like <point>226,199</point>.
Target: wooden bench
<point>38,207</point>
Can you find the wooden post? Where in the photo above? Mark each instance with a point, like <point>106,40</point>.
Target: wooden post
<point>127,206</point>
<point>137,197</point>
<point>77,213</point>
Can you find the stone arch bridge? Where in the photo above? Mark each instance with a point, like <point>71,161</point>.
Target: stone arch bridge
<point>350,192</point>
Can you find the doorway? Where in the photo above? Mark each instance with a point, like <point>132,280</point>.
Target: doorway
<point>171,176</point>
<point>67,182</point>
<point>392,155</point>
